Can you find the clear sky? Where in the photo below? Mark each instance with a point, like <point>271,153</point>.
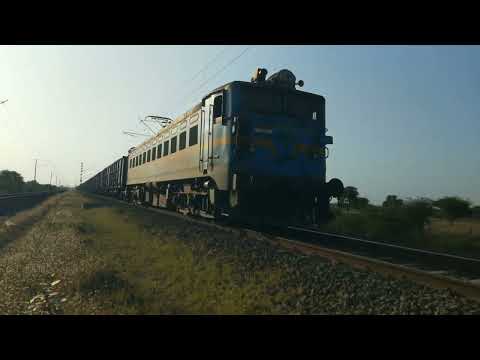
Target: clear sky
<point>405,119</point>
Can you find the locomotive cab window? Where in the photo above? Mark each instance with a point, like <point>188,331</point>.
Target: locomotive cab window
<point>165,147</point>
<point>217,107</point>
<point>159,150</point>
<point>144,157</point>
<point>148,155</point>
<point>174,145</point>
<point>154,153</point>
<point>193,136</point>
<point>183,141</point>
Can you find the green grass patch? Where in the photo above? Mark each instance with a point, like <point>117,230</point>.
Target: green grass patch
<point>394,226</point>
<point>148,270</point>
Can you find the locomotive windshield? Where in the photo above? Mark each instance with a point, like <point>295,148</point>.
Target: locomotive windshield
<point>272,102</point>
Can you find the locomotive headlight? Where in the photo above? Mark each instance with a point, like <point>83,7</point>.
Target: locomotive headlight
<point>234,125</point>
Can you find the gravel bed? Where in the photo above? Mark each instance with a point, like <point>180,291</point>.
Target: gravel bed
<point>39,273</point>
<point>323,287</point>
<point>39,268</point>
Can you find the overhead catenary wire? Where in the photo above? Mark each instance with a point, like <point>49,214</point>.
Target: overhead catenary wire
<point>186,83</point>
<point>7,115</point>
<point>217,73</point>
<point>148,127</point>
<point>216,57</point>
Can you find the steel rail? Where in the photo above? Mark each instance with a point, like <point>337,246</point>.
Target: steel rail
<point>312,246</point>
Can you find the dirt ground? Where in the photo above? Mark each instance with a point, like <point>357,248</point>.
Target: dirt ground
<point>77,254</point>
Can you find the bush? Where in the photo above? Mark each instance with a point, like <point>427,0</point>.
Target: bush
<point>476,211</point>
<point>396,224</point>
<point>361,203</point>
<point>454,207</point>
<point>10,182</point>
<point>391,201</point>
<point>418,213</point>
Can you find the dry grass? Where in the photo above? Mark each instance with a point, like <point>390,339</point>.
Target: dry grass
<point>155,273</point>
<point>464,227</point>
<point>119,260</point>
<point>461,237</point>
<point>17,225</point>
<point>82,255</point>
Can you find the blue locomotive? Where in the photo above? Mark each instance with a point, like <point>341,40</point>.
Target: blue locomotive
<point>254,151</point>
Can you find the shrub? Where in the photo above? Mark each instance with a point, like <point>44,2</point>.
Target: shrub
<point>392,201</point>
<point>454,207</point>
<point>418,212</point>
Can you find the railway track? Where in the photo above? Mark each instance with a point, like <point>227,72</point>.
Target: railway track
<point>24,195</point>
<point>427,267</point>
<point>12,203</point>
<point>435,269</point>
<point>455,266</point>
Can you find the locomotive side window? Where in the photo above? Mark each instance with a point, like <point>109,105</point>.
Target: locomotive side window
<point>154,153</point>
<point>136,161</point>
<point>165,147</point>
<point>218,107</point>
<point>193,136</point>
<point>183,141</point>
<point>144,157</point>
<point>174,145</point>
<point>159,150</point>
<point>148,155</point>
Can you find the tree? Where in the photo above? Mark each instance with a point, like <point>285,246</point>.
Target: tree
<point>11,182</point>
<point>392,201</point>
<point>418,212</point>
<point>350,193</point>
<point>361,203</point>
<point>476,211</point>
<point>454,207</point>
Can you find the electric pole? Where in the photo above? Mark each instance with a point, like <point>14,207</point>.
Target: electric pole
<point>81,172</point>
<point>51,174</point>
<point>35,174</point>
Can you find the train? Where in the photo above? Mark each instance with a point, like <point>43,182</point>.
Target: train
<point>252,151</point>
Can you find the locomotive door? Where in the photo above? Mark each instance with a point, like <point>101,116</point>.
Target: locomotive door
<point>206,137</point>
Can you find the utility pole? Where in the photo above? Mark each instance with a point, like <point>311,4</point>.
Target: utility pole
<point>51,174</point>
<point>81,172</point>
<point>35,174</point>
